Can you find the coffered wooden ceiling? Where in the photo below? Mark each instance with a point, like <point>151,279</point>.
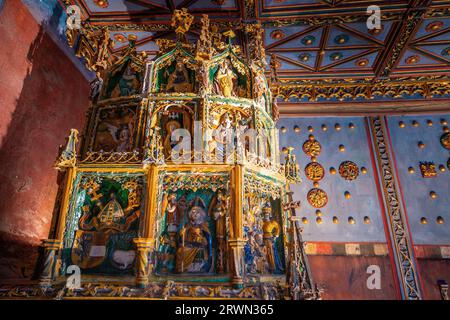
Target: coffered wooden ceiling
<point>313,40</point>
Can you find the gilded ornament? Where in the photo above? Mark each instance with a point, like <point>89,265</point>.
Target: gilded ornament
<point>445,140</point>
<point>440,220</point>
<point>428,169</point>
<point>314,171</point>
<point>349,170</point>
<point>351,220</point>
<point>312,148</point>
<point>181,21</point>
<point>317,198</point>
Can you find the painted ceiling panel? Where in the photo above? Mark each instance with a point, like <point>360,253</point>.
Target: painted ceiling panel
<point>364,197</point>
<point>365,61</point>
<point>273,35</point>
<point>114,6</point>
<point>432,26</point>
<point>414,58</point>
<point>338,37</point>
<point>381,35</point>
<point>417,189</point>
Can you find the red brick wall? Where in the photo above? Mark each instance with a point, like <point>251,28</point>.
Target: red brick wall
<point>42,96</point>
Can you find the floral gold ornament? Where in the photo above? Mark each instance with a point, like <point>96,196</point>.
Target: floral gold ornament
<point>277,34</point>
<point>412,59</point>
<point>314,171</point>
<point>312,147</point>
<point>445,140</point>
<point>308,40</point>
<point>428,169</point>
<point>349,170</point>
<point>434,26</point>
<point>101,3</point>
<point>317,198</point>
<point>362,62</point>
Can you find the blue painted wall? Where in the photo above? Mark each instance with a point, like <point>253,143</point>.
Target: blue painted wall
<point>364,196</point>
<point>416,189</point>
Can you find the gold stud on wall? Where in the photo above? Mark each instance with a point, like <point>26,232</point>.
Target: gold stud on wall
<point>440,220</point>
<point>442,168</point>
<point>341,148</point>
<point>338,127</point>
<point>444,122</point>
<point>415,124</point>
<point>421,145</point>
<point>324,127</point>
<point>429,123</point>
<point>310,129</point>
<point>351,220</point>
<point>335,220</point>
<point>297,129</point>
<point>401,124</point>
<point>363,170</point>
<point>411,170</point>
<point>283,129</point>
<point>332,170</point>
<point>305,220</point>
<point>433,195</point>
<point>318,213</point>
<point>351,126</point>
<point>367,220</point>
<point>347,195</point>
<point>423,220</point>
<point>319,220</point>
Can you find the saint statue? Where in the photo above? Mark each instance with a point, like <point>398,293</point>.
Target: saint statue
<point>195,247</point>
<point>271,231</point>
<point>179,79</point>
<point>224,80</point>
<point>218,211</point>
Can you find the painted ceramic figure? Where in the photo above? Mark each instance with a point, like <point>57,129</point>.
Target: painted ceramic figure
<point>179,79</point>
<point>225,79</point>
<point>271,231</point>
<point>194,253</point>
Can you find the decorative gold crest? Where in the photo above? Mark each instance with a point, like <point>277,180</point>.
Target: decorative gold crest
<point>312,148</point>
<point>314,171</point>
<point>428,169</point>
<point>445,140</point>
<point>349,170</point>
<point>317,198</point>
